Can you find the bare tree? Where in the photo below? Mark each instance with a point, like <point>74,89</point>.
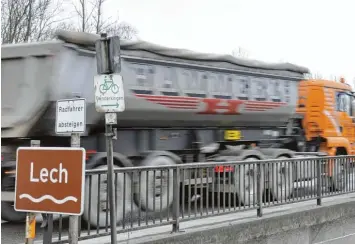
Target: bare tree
<point>124,30</point>
<point>240,53</point>
<point>29,20</point>
<point>81,10</point>
<point>98,16</point>
<point>13,19</point>
<point>26,20</point>
<point>91,18</point>
<point>35,20</point>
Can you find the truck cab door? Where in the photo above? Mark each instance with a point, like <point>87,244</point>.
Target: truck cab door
<point>353,109</point>
<point>346,115</point>
<point>352,124</point>
<point>353,116</point>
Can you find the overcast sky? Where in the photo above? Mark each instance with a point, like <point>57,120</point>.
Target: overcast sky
<point>318,34</point>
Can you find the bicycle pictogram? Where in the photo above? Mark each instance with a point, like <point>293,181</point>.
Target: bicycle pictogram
<point>108,85</point>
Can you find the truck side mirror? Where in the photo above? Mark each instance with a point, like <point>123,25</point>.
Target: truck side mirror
<point>353,107</point>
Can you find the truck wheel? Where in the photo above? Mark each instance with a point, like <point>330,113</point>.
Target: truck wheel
<point>156,194</point>
<point>338,178</point>
<point>99,195</point>
<point>9,214</point>
<point>246,181</point>
<point>280,177</point>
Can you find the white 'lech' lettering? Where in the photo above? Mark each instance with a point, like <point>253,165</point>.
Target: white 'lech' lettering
<point>44,173</point>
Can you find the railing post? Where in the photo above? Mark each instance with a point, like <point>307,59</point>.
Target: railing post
<point>259,190</point>
<point>319,181</point>
<point>176,199</point>
<point>48,228</point>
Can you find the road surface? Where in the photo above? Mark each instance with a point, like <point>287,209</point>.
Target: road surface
<point>15,232</point>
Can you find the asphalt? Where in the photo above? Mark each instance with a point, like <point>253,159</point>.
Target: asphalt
<point>14,233</point>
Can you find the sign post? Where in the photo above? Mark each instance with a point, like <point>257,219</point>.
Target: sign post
<point>70,118</point>
<point>74,219</point>
<point>109,99</point>
<point>47,224</point>
<point>31,217</point>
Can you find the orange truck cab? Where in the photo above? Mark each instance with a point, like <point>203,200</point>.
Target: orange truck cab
<point>328,115</point>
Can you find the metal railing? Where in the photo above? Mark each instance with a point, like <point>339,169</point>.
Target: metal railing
<point>167,195</point>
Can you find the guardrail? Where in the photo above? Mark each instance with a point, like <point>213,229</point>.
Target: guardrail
<point>155,196</point>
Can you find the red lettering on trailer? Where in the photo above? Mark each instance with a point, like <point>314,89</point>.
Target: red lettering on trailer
<point>211,106</point>
<point>173,102</point>
<point>221,106</point>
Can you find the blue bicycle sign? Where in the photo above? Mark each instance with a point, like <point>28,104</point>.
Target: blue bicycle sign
<point>108,85</point>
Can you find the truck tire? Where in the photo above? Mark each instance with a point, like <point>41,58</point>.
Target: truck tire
<point>246,181</point>
<point>163,184</point>
<point>8,213</point>
<point>281,179</point>
<point>338,179</point>
<point>98,218</point>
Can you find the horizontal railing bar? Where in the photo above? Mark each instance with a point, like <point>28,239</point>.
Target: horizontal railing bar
<point>213,164</point>
<point>150,196</point>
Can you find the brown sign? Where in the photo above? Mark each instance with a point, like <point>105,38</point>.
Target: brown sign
<point>50,180</point>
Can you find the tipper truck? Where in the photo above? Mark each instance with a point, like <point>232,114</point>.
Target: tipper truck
<point>181,106</point>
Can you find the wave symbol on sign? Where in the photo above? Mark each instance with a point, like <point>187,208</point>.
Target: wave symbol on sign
<point>48,197</point>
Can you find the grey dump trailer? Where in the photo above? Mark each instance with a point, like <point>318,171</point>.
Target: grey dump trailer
<point>181,106</point>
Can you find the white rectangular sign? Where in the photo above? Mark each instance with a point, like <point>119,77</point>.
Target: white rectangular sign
<point>109,94</point>
<point>70,116</point>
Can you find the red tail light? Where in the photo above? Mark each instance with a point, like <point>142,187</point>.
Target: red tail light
<point>89,153</point>
<point>221,169</point>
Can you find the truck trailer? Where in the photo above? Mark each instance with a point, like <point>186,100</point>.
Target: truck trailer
<point>181,107</point>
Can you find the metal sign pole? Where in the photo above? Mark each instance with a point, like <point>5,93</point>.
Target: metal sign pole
<point>31,217</point>
<point>63,115</point>
<point>48,228</point>
<point>111,118</point>
<point>74,219</point>
<point>109,98</point>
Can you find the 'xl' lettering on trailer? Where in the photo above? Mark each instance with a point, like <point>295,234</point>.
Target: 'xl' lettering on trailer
<point>221,106</point>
